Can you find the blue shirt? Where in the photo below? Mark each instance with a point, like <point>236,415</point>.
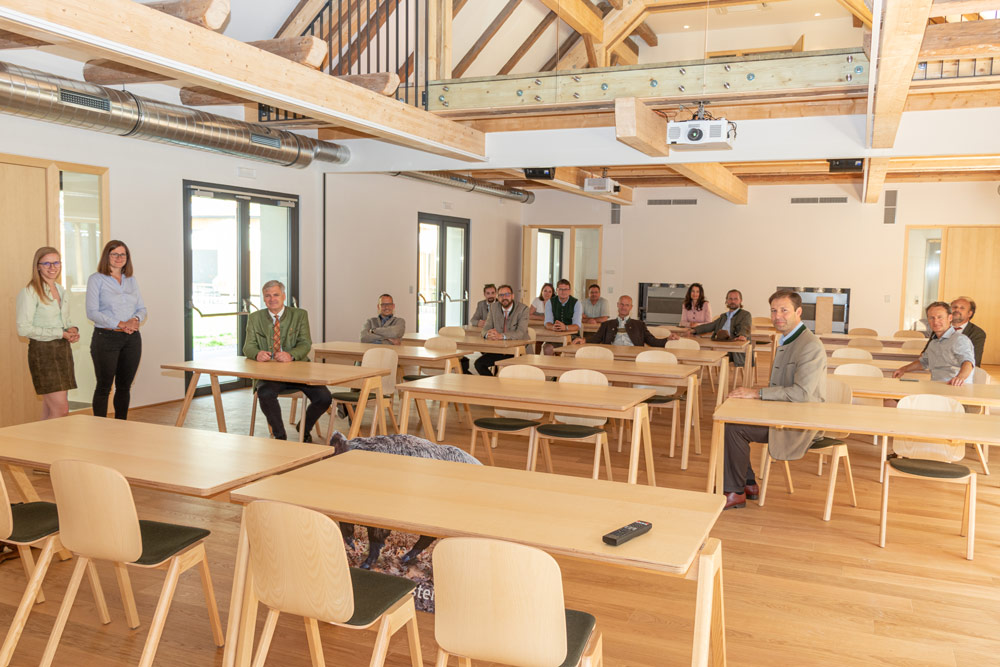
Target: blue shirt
<point>109,302</point>
<point>781,341</point>
<point>577,313</point>
<point>729,321</point>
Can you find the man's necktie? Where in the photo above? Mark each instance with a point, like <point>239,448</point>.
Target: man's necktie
<point>276,341</point>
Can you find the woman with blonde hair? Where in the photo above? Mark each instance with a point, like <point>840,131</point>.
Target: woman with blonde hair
<point>43,318</point>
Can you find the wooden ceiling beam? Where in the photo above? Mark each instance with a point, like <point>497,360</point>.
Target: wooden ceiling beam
<point>875,174</point>
<point>968,39</point>
<point>491,30</point>
<point>646,34</point>
<point>136,35</point>
<point>858,10</point>
<point>641,128</point>
<point>953,7</point>
<point>570,179</point>
<point>383,83</point>
<point>579,17</point>
<point>12,40</point>
<point>715,178</point>
<point>528,43</point>
<point>902,32</point>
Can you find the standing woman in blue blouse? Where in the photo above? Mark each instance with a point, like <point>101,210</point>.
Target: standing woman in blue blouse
<point>43,318</point>
<point>115,306</point>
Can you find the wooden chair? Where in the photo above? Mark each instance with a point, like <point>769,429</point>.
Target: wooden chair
<point>852,353</point>
<point>500,602</point>
<point>24,526</point>
<point>762,322</point>
<point>861,331</point>
<point>660,332</point>
<point>98,521</point>
<point>867,370</point>
<point>513,422</point>
<point>866,343</point>
<point>933,461</point>
<point>914,344</point>
<point>683,344</point>
<point>594,352</point>
<point>577,429</point>
<point>979,376</point>
<point>454,332</point>
<point>665,396</point>
<point>295,395</point>
<point>445,344</point>
<point>299,566</point>
<point>910,333</point>
<point>836,392</point>
<point>383,357</point>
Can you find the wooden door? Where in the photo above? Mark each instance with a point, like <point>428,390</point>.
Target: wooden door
<point>23,216</point>
<point>970,268</point>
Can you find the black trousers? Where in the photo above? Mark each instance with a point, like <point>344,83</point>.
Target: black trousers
<point>738,471</point>
<point>267,394</point>
<point>116,357</point>
<point>486,362</point>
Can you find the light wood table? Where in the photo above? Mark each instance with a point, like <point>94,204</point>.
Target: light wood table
<point>979,395</point>
<point>865,419</point>
<point>844,339</point>
<point>732,346</point>
<point>534,396</point>
<point>565,516</point>
<point>886,353</point>
<point>767,335</point>
<point>300,372</point>
<point>667,375</point>
<point>347,352</point>
<point>705,358</point>
<point>474,343</point>
<point>885,365</point>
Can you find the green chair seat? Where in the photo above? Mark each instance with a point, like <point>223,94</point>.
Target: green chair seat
<point>412,378</point>
<point>351,396</point>
<point>823,443</point>
<point>33,521</point>
<point>657,399</point>
<point>161,540</point>
<point>579,626</point>
<point>568,430</point>
<point>927,468</point>
<point>374,593</point>
<point>504,423</point>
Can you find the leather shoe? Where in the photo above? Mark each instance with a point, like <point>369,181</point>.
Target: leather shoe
<point>751,491</point>
<point>735,501</point>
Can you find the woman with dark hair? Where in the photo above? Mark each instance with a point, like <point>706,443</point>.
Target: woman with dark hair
<point>115,306</point>
<point>696,308</point>
<point>537,309</point>
<point>43,318</point>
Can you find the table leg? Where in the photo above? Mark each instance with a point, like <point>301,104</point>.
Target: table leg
<point>696,418</point>
<point>236,600</point>
<point>425,419</point>
<point>709,613</point>
<point>442,420</point>
<point>723,392</point>
<point>688,415</point>
<point>532,446</point>
<point>404,413</point>
<point>370,384</point>
<point>220,415</point>
<point>715,457</point>
<point>647,440</point>
<point>188,397</point>
<point>636,446</point>
<point>748,365</point>
<point>380,406</point>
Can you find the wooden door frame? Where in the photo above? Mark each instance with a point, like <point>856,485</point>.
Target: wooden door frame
<point>571,271</point>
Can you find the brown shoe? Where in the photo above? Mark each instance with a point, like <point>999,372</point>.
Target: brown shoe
<point>735,501</point>
<point>752,491</point>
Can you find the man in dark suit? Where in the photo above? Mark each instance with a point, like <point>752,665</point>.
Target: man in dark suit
<point>962,310</point>
<point>736,322</point>
<point>623,330</point>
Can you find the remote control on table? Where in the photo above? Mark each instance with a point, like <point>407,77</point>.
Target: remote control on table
<point>625,533</point>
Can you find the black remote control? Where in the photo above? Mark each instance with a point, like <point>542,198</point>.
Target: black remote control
<point>625,533</point>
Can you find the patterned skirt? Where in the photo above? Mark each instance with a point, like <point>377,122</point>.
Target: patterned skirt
<point>51,365</point>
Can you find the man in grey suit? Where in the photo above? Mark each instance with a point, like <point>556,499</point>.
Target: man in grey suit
<point>798,375</point>
<point>735,322</point>
<point>385,328</point>
<point>478,318</point>
<point>507,320</point>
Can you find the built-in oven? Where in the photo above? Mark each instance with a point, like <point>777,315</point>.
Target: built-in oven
<point>661,303</point>
<point>841,305</point>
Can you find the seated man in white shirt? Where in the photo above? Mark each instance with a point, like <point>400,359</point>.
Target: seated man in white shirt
<point>595,308</point>
<point>949,355</point>
<point>623,330</point>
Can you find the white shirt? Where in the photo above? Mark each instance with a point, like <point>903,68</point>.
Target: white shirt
<point>729,321</point>
<point>275,318</point>
<point>622,337</point>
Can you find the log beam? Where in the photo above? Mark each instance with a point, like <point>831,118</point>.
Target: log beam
<point>641,128</point>
<point>210,14</point>
<point>968,39</point>
<point>12,40</point>
<point>528,43</point>
<point>491,30</point>
<point>579,17</point>
<point>875,174</point>
<point>715,178</point>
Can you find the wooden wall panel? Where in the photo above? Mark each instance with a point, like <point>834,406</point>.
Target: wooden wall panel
<point>970,268</point>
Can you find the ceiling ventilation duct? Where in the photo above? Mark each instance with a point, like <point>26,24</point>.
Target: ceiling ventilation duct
<point>469,185</point>
<point>40,96</point>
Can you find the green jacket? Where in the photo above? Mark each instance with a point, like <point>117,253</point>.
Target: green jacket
<point>294,328</point>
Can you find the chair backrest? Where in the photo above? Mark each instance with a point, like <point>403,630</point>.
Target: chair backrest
<point>498,602</point>
<point>660,332</point>
<point>6,517</point>
<point>861,331</point>
<point>656,357</point>
<point>762,322</point>
<point>851,353</point>
<point>520,372</point>
<point>441,344</point>
<point>909,333</point>
<point>383,357</point>
<point>532,333</point>
<point>97,516</point>
<point>914,344</point>
<point>863,370</point>
<point>867,343</point>
<point>923,449</point>
<point>838,392</point>
<point>979,376</point>
<point>684,344</point>
<point>594,352</point>
<point>454,332</point>
<point>299,561</point>
<point>583,376</point>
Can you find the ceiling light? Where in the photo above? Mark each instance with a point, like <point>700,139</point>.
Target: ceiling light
<point>817,14</point>
<point>686,27</point>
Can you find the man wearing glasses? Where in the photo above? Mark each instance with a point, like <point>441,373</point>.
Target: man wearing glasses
<point>385,328</point>
<point>506,320</point>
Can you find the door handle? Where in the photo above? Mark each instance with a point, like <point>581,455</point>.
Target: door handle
<point>198,310</point>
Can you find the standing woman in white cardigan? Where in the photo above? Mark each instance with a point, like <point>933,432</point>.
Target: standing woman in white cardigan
<point>43,318</point>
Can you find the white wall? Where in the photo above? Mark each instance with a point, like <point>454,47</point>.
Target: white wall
<point>770,242</point>
<point>372,239</point>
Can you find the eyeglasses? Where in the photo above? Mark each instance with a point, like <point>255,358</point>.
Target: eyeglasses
<point>50,265</point>
<point>118,255</point>
<point>503,294</point>
<point>383,305</point>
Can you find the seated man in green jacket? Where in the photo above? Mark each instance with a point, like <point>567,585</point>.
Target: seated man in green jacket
<point>281,334</point>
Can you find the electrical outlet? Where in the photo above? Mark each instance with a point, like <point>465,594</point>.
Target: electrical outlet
<point>411,289</point>
<point>888,298</point>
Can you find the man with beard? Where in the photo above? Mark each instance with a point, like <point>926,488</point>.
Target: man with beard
<point>735,322</point>
<point>507,320</point>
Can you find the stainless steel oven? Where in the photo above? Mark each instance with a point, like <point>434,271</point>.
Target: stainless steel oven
<point>661,303</point>
<point>841,305</point>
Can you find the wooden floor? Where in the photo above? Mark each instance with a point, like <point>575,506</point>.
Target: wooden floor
<point>798,591</point>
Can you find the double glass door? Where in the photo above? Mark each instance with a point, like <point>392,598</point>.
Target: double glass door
<point>442,272</point>
<point>235,241</point>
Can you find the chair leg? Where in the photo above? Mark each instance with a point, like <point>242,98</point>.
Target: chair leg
<point>765,463</point>
<point>265,637</point>
<point>442,658</point>
<point>982,458</point>
<point>128,599</point>
<point>596,473</point>
<point>486,444</point>
<point>293,409</point>
<point>28,563</point>
<point>253,412</point>
<point>884,512</point>
<point>711,378</point>
<point>213,607</point>
<point>547,453</point>
<point>673,427</point>
<point>392,417</point>
<point>881,463</point>
<point>593,655</point>
<point>832,484</point>
<point>315,643</point>
<point>850,476</point>
<point>413,640</point>
<point>819,469</point>
<point>64,609</point>
<point>765,477</point>
<point>788,478</point>
<point>621,434</point>
<point>381,643</point>
<point>472,441</point>
<point>31,594</point>
<point>160,616</point>
<point>971,521</point>
<point>607,455</point>
<point>98,592</point>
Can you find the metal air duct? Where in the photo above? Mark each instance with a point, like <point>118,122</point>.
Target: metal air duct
<point>40,96</point>
<point>469,185</point>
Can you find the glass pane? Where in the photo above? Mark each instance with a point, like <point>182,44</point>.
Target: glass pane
<point>454,278</point>
<point>543,260</point>
<point>587,261</point>
<point>214,279</point>
<point>269,251</point>
<point>427,278</point>
<point>923,264</point>
<point>557,252</point>
<point>81,243</point>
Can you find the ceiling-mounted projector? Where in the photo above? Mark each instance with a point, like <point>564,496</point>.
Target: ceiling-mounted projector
<point>701,134</point>
<point>600,185</point>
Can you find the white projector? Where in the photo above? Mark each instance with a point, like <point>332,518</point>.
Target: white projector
<point>599,185</point>
<point>699,134</point>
